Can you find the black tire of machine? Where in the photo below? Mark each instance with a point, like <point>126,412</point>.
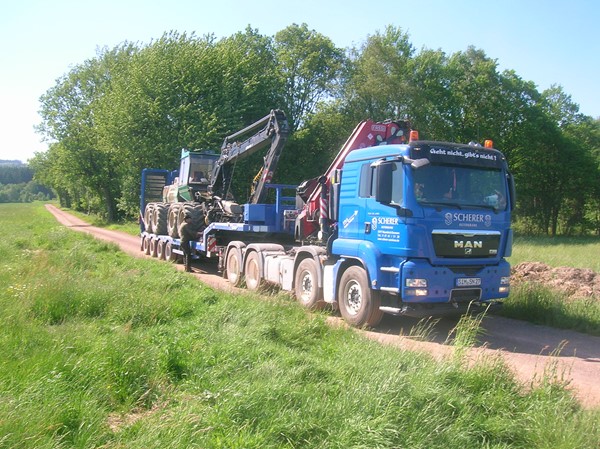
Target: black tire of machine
<point>160,218</point>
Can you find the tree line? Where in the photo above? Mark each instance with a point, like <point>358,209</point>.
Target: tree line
<point>18,186</point>
<point>137,105</point>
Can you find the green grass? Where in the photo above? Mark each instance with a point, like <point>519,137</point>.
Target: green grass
<point>538,304</point>
<point>103,350</point>
<point>578,252</point>
<point>541,305</point>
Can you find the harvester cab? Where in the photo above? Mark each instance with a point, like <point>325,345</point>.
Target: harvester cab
<point>193,178</point>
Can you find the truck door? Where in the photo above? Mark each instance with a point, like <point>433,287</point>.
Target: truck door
<point>354,191</point>
<point>382,222</point>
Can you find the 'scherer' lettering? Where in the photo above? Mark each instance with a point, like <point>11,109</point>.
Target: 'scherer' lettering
<point>477,218</point>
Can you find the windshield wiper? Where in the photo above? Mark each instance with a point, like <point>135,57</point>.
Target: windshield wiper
<point>441,204</point>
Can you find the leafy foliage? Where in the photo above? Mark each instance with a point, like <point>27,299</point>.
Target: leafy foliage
<point>136,106</point>
<point>18,186</point>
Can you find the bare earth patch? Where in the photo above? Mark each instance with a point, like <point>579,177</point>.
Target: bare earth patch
<point>575,283</point>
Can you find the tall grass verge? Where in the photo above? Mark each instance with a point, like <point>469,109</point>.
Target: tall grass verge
<point>102,350</point>
<point>541,305</point>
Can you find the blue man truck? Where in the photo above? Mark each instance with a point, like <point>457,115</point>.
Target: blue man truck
<point>395,225</point>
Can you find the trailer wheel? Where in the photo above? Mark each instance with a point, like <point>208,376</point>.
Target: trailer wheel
<point>233,266</point>
<point>143,243</point>
<point>252,271</point>
<point>359,305</point>
<point>153,245</point>
<point>146,245</point>
<point>306,286</point>
<point>160,249</point>
<point>169,254</point>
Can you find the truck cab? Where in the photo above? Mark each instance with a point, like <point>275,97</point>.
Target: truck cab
<point>429,222</point>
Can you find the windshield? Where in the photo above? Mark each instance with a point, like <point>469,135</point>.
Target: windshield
<point>460,186</point>
<point>201,167</point>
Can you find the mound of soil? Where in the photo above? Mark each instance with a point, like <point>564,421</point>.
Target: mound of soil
<point>573,282</point>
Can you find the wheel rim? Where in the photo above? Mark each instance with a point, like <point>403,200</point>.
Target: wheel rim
<point>353,298</point>
<point>306,286</point>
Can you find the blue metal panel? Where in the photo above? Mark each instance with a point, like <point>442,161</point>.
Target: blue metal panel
<point>442,280</point>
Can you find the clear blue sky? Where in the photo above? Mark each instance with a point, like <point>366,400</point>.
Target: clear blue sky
<point>544,41</point>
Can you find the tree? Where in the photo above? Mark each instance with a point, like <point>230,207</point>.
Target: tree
<point>309,65</point>
<point>69,116</point>
<point>379,83</point>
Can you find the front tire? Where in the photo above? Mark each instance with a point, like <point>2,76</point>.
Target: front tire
<point>306,285</point>
<point>359,305</point>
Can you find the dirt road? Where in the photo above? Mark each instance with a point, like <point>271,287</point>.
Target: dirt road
<point>527,349</point>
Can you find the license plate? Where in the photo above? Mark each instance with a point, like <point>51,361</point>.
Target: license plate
<point>468,282</point>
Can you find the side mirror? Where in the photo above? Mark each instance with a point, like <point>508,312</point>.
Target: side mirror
<point>418,163</point>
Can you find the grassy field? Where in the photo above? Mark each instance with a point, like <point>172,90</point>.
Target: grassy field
<point>534,303</point>
<point>578,252</point>
<point>541,305</point>
<point>103,350</point>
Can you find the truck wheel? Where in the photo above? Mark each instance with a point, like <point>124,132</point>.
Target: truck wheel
<point>359,305</point>
<point>160,249</point>
<point>252,271</point>
<point>306,286</point>
<point>233,266</point>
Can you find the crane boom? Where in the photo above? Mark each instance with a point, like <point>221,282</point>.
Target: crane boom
<point>272,129</point>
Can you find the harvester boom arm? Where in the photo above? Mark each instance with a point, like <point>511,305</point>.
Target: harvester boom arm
<point>273,129</point>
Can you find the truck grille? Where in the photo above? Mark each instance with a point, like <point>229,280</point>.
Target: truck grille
<point>465,245</point>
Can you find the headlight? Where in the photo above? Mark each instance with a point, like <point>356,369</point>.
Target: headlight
<point>505,280</point>
<point>504,289</point>
<point>416,283</point>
